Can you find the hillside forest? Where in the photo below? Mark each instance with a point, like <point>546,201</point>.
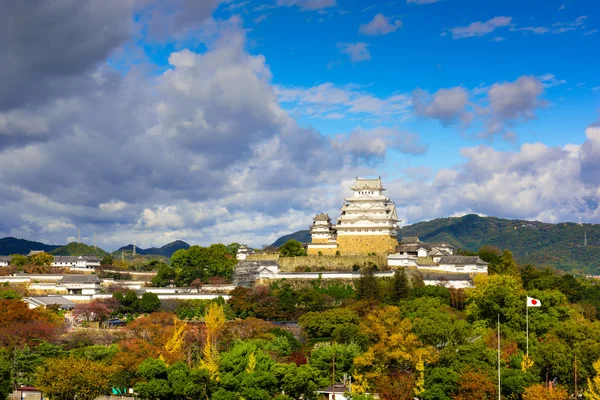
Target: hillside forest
<point>393,337</point>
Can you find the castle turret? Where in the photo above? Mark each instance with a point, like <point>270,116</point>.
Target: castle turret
<point>323,236</point>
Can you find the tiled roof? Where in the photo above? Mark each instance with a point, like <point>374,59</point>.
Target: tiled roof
<point>322,217</point>
<point>461,260</point>
<point>80,279</point>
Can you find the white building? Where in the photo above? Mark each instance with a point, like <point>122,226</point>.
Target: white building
<point>243,252</point>
<point>4,261</point>
<point>76,263</point>
<point>323,236</point>
<point>368,212</point>
<point>81,284</point>
<point>411,252</point>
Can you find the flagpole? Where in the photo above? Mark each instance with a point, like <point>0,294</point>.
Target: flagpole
<point>498,356</point>
<point>527,318</point>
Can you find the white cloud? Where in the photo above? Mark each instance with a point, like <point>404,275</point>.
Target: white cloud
<point>380,25</point>
<point>590,32</point>
<point>113,206</point>
<point>373,144</point>
<point>549,80</point>
<point>357,51</point>
<point>162,218</point>
<point>328,100</point>
<point>445,105</point>
<point>480,28</point>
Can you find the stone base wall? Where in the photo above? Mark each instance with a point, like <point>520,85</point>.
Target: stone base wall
<point>324,252</point>
<point>329,263</point>
<point>366,244</point>
<point>320,240</point>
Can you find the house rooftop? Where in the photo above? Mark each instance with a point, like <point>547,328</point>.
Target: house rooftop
<point>80,279</point>
<point>50,300</point>
<point>462,260</point>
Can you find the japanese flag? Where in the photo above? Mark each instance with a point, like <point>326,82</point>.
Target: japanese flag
<point>531,302</point>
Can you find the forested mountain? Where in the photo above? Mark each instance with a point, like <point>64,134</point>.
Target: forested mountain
<point>167,250</point>
<point>78,249</point>
<point>541,244</point>
<point>301,236</point>
<point>11,245</point>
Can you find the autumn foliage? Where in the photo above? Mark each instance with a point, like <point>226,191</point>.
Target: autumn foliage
<point>20,325</point>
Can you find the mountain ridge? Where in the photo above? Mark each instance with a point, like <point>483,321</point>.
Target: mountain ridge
<point>10,245</point>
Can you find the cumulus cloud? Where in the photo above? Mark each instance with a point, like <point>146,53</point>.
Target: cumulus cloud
<point>208,130</point>
<point>380,25</point>
<point>373,144</point>
<point>480,28</point>
<point>537,182</point>
<point>357,51</point>
<point>162,217</point>
<point>445,105</point>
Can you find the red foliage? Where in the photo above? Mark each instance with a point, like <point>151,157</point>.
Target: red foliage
<point>20,325</point>
<point>298,358</point>
<point>92,311</point>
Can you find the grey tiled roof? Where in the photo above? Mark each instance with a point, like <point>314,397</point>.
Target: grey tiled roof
<point>322,217</point>
<point>80,279</point>
<point>5,258</point>
<point>461,260</point>
<point>410,240</point>
<point>436,276</point>
<point>72,259</point>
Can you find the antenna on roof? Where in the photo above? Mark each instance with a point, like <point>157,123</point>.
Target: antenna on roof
<point>78,235</point>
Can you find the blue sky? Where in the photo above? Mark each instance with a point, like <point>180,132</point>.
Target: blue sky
<point>226,120</point>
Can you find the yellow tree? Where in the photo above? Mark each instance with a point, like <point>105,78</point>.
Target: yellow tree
<point>541,392</point>
<point>173,346</point>
<point>593,389</point>
<point>214,320</point>
<point>395,348</point>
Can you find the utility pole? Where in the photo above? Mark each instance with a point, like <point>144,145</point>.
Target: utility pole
<point>333,375</point>
<point>78,235</point>
<point>134,247</point>
<point>575,366</point>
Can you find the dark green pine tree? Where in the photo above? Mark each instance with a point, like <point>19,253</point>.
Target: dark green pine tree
<point>367,287</point>
<point>400,287</point>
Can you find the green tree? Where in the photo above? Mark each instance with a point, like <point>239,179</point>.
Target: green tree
<point>292,248</point>
<point>107,260</point>
<point>6,387</point>
<point>297,382</point>
<point>18,260</point>
<point>400,286</point>
<point>321,358</point>
<point>367,286</point>
<point>323,324</point>
<point>149,302</point>
<point>164,277</point>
